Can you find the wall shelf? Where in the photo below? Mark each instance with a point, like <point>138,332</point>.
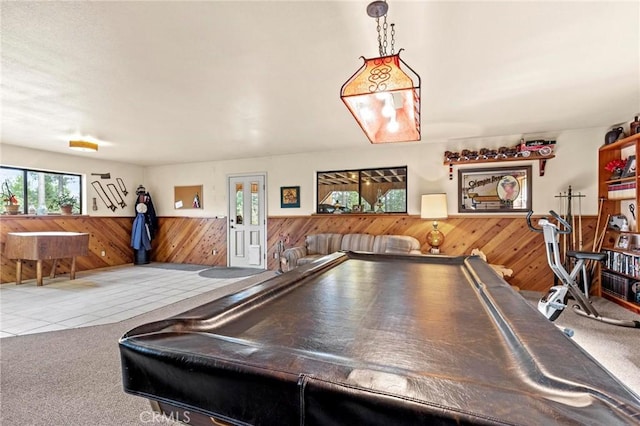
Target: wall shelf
<point>621,271</point>
<point>534,156</point>
<point>612,206</point>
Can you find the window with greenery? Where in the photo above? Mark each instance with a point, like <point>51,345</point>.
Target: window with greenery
<point>382,190</point>
<point>39,192</point>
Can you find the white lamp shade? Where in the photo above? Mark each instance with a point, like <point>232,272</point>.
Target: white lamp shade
<point>434,206</point>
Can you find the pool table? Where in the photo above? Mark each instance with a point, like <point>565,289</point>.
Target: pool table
<point>359,338</point>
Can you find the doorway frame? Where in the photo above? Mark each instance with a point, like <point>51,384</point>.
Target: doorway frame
<point>265,237</point>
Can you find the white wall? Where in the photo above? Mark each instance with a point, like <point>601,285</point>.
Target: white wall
<point>575,164</point>
<point>131,175</point>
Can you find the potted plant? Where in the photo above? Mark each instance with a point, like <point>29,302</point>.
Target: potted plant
<point>65,202</point>
<point>11,204</point>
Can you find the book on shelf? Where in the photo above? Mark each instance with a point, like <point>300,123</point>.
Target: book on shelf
<point>622,190</point>
<point>623,263</point>
<point>616,285</point>
<point>625,286</point>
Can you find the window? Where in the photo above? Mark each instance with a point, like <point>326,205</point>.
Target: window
<point>39,192</point>
<point>363,191</point>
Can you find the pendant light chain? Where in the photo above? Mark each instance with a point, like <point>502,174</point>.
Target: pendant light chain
<point>393,38</point>
<point>382,36</point>
<point>384,41</point>
<point>379,36</point>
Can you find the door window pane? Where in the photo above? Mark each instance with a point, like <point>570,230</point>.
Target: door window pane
<point>255,205</point>
<point>239,203</point>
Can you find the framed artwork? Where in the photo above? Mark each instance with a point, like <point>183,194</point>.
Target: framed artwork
<point>289,196</point>
<point>622,242</point>
<point>498,190</point>
<point>630,168</point>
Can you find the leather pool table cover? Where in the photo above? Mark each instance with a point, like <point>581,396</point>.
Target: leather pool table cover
<point>374,339</point>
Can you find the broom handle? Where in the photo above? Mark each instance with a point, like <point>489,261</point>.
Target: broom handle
<point>595,240</point>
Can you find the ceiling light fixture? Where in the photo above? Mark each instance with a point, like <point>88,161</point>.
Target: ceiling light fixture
<point>83,146</point>
<point>382,97</point>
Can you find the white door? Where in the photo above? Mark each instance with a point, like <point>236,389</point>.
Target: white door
<point>247,223</point>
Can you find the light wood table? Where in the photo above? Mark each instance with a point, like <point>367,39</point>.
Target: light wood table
<point>41,246</point>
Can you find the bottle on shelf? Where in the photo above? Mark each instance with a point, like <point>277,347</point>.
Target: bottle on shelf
<point>634,126</point>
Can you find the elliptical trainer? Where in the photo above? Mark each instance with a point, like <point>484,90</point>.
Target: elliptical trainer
<point>553,303</point>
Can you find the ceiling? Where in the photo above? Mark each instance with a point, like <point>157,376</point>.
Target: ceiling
<point>174,82</point>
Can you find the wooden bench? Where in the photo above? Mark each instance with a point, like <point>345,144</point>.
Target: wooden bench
<point>41,246</point>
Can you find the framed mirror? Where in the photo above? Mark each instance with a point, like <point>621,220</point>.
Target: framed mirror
<point>500,189</point>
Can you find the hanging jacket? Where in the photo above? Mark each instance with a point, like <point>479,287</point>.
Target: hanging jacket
<point>150,216</point>
<point>140,233</point>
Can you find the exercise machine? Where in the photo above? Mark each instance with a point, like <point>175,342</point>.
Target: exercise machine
<point>553,303</point>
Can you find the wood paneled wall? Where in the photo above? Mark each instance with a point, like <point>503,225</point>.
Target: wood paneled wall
<point>191,240</point>
<point>109,234</point>
<point>504,240</point>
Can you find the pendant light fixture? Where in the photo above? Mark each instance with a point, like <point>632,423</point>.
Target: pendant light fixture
<point>384,94</point>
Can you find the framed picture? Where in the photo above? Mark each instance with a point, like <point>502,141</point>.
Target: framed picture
<point>289,196</point>
<point>630,168</point>
<point>503,190</point>
<point>622,242</point>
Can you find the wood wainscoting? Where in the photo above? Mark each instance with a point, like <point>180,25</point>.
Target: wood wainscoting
<point>178,240</point>
<point>504,240</point>
<point>191,240</point>
<point>111,235</point>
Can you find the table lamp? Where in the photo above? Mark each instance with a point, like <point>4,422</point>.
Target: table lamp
<point>434,207</point>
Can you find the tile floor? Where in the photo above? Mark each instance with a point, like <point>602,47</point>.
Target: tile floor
<point>96,297</point>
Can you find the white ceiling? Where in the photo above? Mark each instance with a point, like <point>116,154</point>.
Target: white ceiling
<point>173,82</point>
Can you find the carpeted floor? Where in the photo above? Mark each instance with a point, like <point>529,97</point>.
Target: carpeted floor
<point>219,272</point>
<point>73,377</point>
<point>174,266</point>
<point>616,348</point>
<point>206,271</point>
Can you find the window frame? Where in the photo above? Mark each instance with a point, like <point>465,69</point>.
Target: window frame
<point>24,206</point>
<point>320,175</point>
